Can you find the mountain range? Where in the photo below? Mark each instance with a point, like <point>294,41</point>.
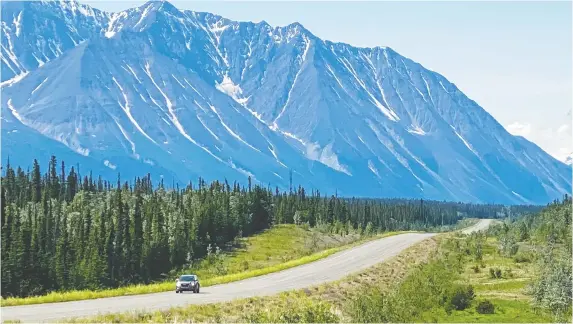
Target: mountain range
<point>183,94</point>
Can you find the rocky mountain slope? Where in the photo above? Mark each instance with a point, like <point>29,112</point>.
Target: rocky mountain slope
<point>184,94</point>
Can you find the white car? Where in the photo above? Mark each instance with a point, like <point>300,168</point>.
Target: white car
<point>187,283</point>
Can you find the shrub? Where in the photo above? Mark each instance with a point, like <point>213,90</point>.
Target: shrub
<point>461,298</point>
<point>476,268</point>
<point>522,257</point>
<point>479,253</point>
<point>478,249</point>
<point>349,228</point>
<point>495,273</point>
<point>369,307</point>
<point>368,231</point>
<point>485,307</point>
<point>507,246</point>
<point>428,286</point>
<point>314,242</point>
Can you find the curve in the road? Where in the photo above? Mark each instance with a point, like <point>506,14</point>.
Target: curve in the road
<point>481,225</point>
<point>328,269</point>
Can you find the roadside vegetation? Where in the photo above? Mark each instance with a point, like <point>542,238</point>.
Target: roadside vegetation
<point>323,303</point>
<point>517,271</point>
<point>279,248</point>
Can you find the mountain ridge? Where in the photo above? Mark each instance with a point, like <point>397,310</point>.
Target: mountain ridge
<point>190,91</point>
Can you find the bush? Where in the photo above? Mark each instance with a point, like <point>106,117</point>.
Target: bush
<point>216,259</point>
<point>507,246</point>
<point>522,257</point>
<point>314,242</point>
<point>495,273</point>
<point>368,231</point>
<point>485,307</point>
<point>478,249</point>
<point>476,268</point>
<point>461,298</point>
<point>369,307</point>
<point>428,286</point>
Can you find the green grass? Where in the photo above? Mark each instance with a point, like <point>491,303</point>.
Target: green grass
<point>309,303</point>
<point>277,249</point>
<point>503,286</point>
<point>508,294</point>
<point>506,311</point>
<point>281,308</point>
<point>278,245</point>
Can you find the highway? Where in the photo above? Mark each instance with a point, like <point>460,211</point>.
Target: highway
<point>334,267</point>
<point>481,225</point>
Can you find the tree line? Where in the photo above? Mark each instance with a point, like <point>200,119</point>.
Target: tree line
<point>62,231</point>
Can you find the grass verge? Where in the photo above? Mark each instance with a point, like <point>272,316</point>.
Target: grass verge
<point>318,304</point>
<point>506,311</point>
<point>393,288</point>
<point>206,274</point>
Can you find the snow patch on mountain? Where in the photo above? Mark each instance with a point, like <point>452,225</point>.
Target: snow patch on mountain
<point>325,156</point>
<point>416,130</point>
<point>14,80</point>
<point>373,168</point>
<point>466,143</point>
<point>109,164</point>
<point>233,90</point>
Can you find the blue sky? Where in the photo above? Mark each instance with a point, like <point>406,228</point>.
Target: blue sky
<point>513,58</point>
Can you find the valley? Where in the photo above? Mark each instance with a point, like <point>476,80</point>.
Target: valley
<point>303,180</point>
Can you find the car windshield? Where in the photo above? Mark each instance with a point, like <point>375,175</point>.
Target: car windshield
<point>188,278</point>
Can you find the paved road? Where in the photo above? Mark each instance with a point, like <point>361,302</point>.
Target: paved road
<point>481,225</point>
<point>328,269</point>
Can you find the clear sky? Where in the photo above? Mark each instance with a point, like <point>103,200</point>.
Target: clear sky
<point>513,58</point>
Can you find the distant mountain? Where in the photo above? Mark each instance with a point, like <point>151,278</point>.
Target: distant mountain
<point>184,94</point>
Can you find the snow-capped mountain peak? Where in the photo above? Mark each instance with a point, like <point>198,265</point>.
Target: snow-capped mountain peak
<point>186,94</point>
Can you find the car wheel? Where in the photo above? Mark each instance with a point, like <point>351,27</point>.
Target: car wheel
<point>176,291</point>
